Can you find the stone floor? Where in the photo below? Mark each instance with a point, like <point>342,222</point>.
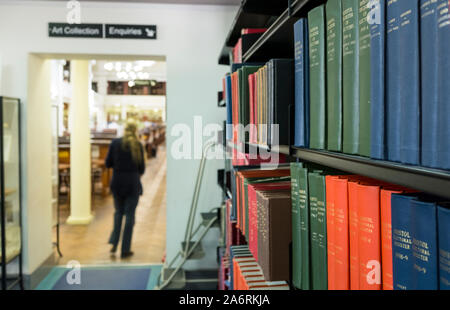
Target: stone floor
<point>88,244</point>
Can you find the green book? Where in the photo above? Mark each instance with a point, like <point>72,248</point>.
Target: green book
<point>244,95</point>
<point>364,79</point>
<point>350,73</point>
<point>334,74</point>
<point>317,201</point>
<point>303,204</point>
<point>296,227</point>
<point>316,26</point>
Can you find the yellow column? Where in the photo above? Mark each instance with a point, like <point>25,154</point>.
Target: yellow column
<point>80,146</point>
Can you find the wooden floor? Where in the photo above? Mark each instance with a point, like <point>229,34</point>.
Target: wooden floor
<point>88,244</point>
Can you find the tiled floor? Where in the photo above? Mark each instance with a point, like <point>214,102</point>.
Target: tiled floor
<point>88,244</point>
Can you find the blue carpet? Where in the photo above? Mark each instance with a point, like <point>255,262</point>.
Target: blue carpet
<point>107,277</point>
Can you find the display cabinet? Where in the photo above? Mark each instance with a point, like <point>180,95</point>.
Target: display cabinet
<point>10,194</point>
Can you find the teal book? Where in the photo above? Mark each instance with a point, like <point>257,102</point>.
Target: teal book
<point>296,230</point>
<point>316,26</point>
<point>350,73</point>
<point>334,74</point>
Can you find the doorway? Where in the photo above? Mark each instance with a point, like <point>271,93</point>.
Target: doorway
<point>121,88</point>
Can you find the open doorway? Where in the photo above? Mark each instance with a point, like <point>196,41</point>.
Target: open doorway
<point>121,89</point>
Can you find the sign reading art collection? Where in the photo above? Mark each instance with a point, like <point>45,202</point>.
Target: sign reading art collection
<point>109,31</point>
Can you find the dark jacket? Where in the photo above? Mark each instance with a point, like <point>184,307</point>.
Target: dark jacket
<point>126,180</point>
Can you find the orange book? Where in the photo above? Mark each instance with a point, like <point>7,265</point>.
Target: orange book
<point>353,234</point>
<point>369,244</point>
<point>330,181</point>
<point>386,238</point>
<point>341,242</point>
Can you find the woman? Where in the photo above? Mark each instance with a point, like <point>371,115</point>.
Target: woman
<point>126,157</point>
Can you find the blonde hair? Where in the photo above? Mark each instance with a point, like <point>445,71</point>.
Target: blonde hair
<point>130,142</point>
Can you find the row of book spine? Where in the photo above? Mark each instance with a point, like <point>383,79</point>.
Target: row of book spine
<point>368,78</point>
<point>371,78</point>
<point>355,233</point>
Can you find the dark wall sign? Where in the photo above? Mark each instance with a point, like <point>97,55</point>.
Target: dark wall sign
<point>63,30</point>
<point>111,31</point>
<point>130,31</point>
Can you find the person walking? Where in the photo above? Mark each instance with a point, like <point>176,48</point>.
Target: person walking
<point>126,158</point>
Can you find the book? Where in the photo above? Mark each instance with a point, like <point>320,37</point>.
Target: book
<point>409,71</point>
<point>274,235</point>
<point>331,200</point>
<point>443,219</point>
<point>341,240</point>
<point>424,248</point>
<point>301,83</point>
<point>350,73</point>
<point>316,27</point>
<point>386,238</point>
<point>252,106</point>
<point>353,234</point>
<point>429,81</point>
<point>304,207</point>
<point>317,198</point>
<point>369,241</point>
<point>401,240</point>
<point>334,75</point>
<point>281,94</point>
<point>229,105</point>
<point>444,85</point>
<point>364,79</point>
<point>296,227</point>
<point>377,80</point>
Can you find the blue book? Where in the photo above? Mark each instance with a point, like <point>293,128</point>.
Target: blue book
<point>393,81</point>
<point>429,85</point>
<point>409,82</point>
<point>443,149</point>
<point>377,80</point>
<point>301,83</point>
<point>444,247</point>
<point>424,272</point>
<point>229,104</point>
<point>401,240</point>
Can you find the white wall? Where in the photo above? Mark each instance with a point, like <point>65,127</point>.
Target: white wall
<point>189,36</point>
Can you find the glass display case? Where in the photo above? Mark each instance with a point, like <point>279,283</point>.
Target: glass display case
<point>10,215</point>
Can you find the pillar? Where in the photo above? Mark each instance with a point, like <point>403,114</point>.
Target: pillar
<point>80,146</point>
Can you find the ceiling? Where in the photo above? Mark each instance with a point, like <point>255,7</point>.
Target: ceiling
<point>210,2</point>
<point>156,70</point>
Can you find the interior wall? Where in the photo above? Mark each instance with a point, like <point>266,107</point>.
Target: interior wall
<point>190,37</point>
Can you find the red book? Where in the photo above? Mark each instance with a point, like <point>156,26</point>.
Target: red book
<point>330,197</point>
<point>253,30</point>
<point>342,233</point>
<point>353,234</point>
<point>386,238</point>
<point>369,244</point>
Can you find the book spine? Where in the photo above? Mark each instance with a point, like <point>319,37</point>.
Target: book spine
<point>409,82</point>
<point>444,247</point>
<point>229,104</point>
<point>350,73</point>
<point>304,209</point>
<point>331,248</point>
<point>322,232</point>
<point>353,234</point>
<point>341,240</point>
<point>401,241</point>
<point>296,233</point>
<point>364,79</point>
<point>429,81</point>
<point>301,99</point>
<point>377,80</point>
<point>386,238</point>
<point>334,74</point>
<point>369,243</point>
<point>443,149</point>
<point>424,273</point>
<point>316,26</point>
<point>393,81</point>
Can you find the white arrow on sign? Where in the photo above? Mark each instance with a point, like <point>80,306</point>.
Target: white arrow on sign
<point>150,32</point>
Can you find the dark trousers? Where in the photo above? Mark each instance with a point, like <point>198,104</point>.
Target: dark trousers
<point>125,206</point>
